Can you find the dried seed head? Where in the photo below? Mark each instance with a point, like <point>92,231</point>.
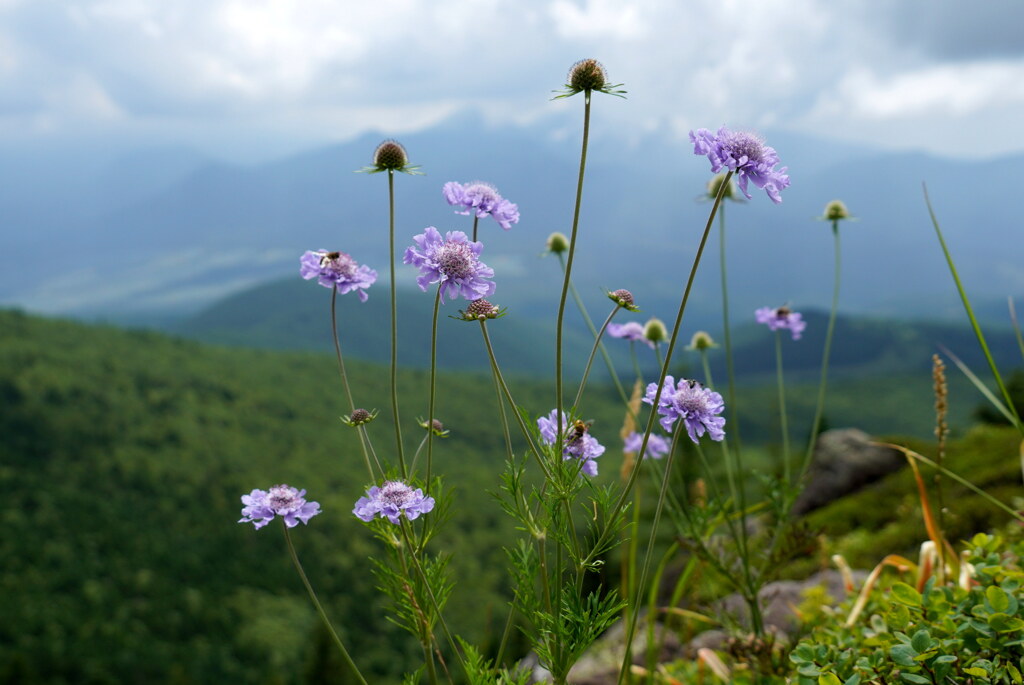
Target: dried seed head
<point>479,310</point>
<point>587,74</point>
<point>390,155</point>
<point>623,298</point>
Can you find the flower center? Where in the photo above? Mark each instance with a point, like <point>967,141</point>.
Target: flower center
<point>690,401</point>
<point>396,493</point>
<point>740,145</point>
<point>482,193</point>
<point>338,263</point>
<point>455,260</point>
<point>283,499</point>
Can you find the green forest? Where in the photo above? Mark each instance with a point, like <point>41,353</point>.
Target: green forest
<point>124,455</point>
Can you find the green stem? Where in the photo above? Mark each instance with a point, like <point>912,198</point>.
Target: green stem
<point>730,367</point>
<point>476,220</point>
<point>970,314</point>
<point>433,383</point>
<point>319,608</point>
<point>783,422</point>
<point>344,376</point>
<point>568,269</point>
<point>623,497</point>
<point>819,408</point>
<point>394,326</point>
<point>593,331</point>
<point>590,359</point>
<point>729,475</point>
<point>653,415</point>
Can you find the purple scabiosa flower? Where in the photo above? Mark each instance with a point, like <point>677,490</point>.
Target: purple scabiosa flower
<point>657,446</point>
<point>696,405</point>
<point>282,500</point>
<point>783,317</point>
<point>744,154</point>
<point>481,199</point>
<point>337,270</point>
<point>453,261</point>
<point>579,443</point>
<point>391,500</point>
<point>631,330</point>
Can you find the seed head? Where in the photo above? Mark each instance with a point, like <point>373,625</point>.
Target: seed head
<point>624,299</point>
<point>587,74</point>
<point>655,331</point>
<point>358,417</point>
<point>715,185</point>
<point>390,155</point>
<point>479,310</point>
<point>435,426</point>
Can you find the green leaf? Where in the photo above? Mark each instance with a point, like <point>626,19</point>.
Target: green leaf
<point>921,641</point>
<point>829,679</point>
<point>914,678</point>
<point>980,672</point>
<point>904,594</point>
<point>997,597</point>
<point>1003,623</point>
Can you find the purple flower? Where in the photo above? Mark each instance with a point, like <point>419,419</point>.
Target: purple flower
<point>746,155</point>
<point>337,270</point>
<point>783,317</point>
<point>283,500</point>
<point>579,443</point>
<point>657,446</point>
<point>631,330</point>
<point>391,500</point>
<point>483,200</point>
<point>453,261</point>
<point>696,405</point>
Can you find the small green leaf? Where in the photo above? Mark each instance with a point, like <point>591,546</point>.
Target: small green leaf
<point>829,679</point>
<point>905,594</point>
<point>1003,623</point>
<point>914,678</point>
<point>921,641</point>
<point>980,672</point>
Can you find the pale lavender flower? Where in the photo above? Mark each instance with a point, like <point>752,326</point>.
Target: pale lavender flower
<point>481,199</point>
<point>783,317</point>
<point>632,331</point>
<point>337,270</point>
<point>744,154</point>
<point>579,443</point>
<point>391,501</point>
<point>453,261</point>
<point>282,500</point>
<point>657,446</point>
<point>697,406</point>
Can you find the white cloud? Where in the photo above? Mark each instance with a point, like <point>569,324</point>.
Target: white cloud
<point>612,19</point>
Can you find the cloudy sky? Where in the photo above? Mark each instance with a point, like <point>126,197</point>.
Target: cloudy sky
<point>939,75</point>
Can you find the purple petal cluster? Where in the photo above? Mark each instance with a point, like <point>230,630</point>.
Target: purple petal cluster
<point>631,330</point>
<point>697,406</point>
<point>579,443</point>
<point>482,199</point>
<point>285,501</point>
<point>337,270</point>
<point>657,446</point>
<point>453,261</point>
<point>744,154</point>
<point>391,501</point>
<point>783,317</point>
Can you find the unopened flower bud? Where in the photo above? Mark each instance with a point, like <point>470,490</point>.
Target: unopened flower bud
<point>836,211</point>
<point>715,185</point>
<point>557,243</point>
<point>655,331</point>
<point>701,341</point>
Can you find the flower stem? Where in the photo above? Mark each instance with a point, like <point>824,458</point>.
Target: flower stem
<point>826,354</point>
<point>568,269</point>
<point>344,376</point>
<point>433,388</point>
<point>727,334</point>
<point>590,359</point>
<point>593,331</point>
<point>320,610</point>
<point>476,220</point>
<point>394,326</point>
<point>783,423</point>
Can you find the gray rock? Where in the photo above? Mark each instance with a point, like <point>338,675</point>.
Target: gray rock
<point>844,461</point>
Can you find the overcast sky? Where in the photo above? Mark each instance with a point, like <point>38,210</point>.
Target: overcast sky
<point>943,76</point>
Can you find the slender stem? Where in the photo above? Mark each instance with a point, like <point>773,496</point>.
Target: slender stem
<point>433,385</point>
<point>593,331</point>
<point>590,359</point>
<point>820,406</point>
<point>476,220</point>
<point>365,436</point>
<point>319,608</point>
<point>394,326</point>
<point>730,477</point>
<point>428,659</point>
<point>974,322</point>
<point>623,497</point>
<point>726,332</point>
<point>783,423</point>
<point>568,269</point>
<point>344,376</point>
